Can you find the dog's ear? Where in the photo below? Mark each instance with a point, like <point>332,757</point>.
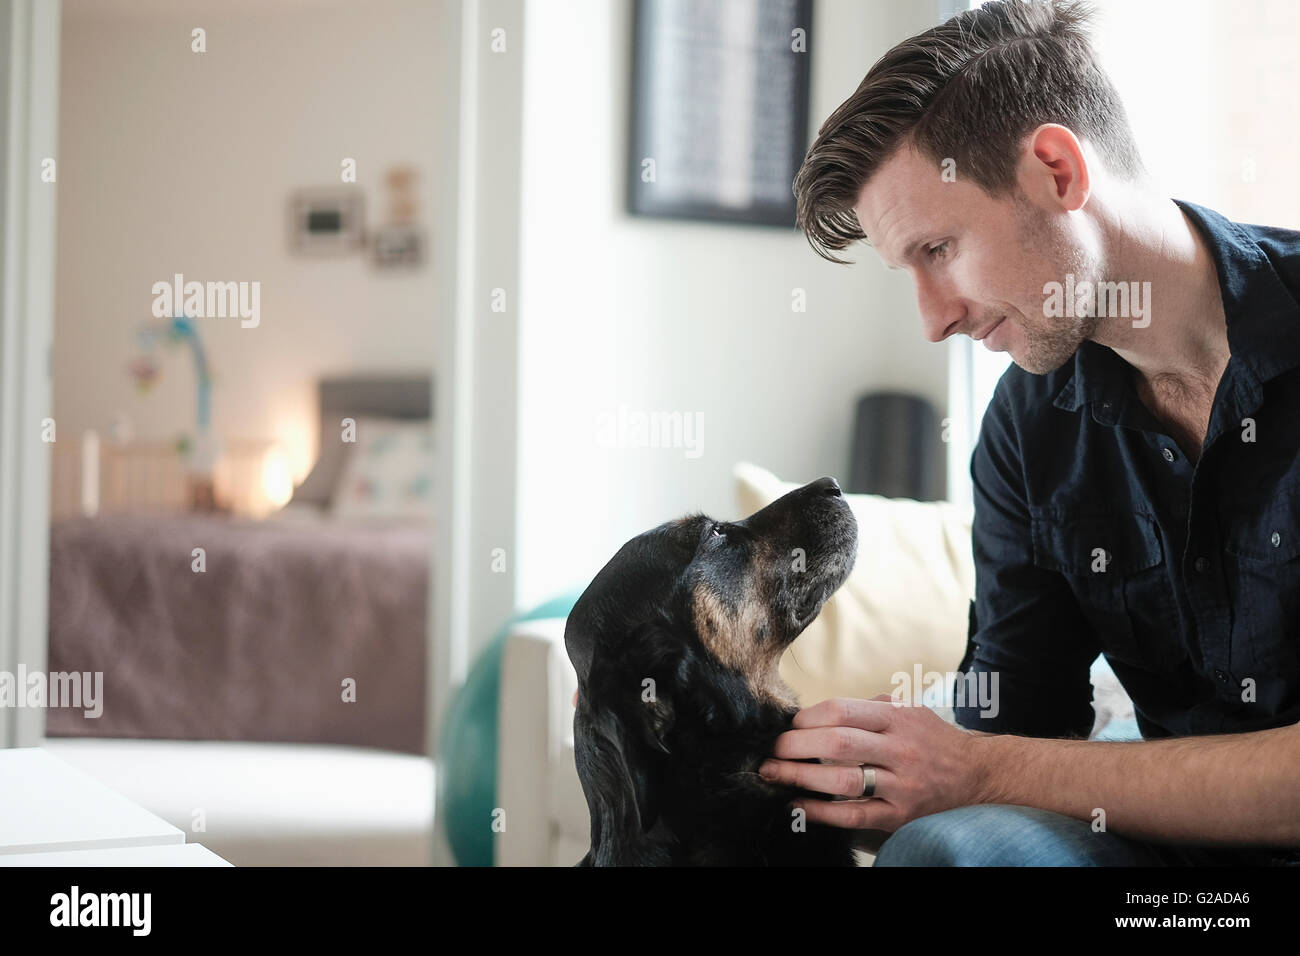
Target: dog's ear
<point>624,768</point>
<point>629,712</point>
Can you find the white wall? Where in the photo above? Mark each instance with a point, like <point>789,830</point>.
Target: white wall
<point>687,317</point>
<point>174,161</point>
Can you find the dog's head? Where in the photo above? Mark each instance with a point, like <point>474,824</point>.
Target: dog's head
<point>677,641</point>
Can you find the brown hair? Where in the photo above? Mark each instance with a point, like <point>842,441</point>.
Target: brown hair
<point>969,89</point>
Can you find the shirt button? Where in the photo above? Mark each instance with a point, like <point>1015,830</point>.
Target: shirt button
<point>1276,539</point>
<point>1202,565</point>
<point>1221,676</point>
<point>1169,454</point>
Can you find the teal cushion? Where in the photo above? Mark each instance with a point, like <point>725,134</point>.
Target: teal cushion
<point>467,761</point>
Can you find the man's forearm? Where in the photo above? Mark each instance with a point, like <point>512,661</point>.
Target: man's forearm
<point>1231,788</point>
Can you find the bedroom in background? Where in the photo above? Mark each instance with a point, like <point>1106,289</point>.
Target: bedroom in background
<point>244,443</point>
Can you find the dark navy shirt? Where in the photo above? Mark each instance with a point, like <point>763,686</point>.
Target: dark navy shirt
<point>1093,532</point>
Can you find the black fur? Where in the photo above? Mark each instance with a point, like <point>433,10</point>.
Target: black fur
<point>669,736</point>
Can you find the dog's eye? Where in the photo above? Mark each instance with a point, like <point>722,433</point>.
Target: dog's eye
<point>718,531</point>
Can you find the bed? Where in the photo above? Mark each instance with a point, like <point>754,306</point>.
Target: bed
<point>309,627</point>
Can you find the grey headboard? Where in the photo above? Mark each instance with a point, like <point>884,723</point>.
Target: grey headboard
<point>356,396</point>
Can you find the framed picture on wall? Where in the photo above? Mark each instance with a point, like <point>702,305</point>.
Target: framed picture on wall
<point>719,109</point>
<point>325,220</point>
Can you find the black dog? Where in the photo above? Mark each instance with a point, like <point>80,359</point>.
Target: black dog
<point>676,644</point>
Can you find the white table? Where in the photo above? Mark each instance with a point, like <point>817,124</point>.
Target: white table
<point>170,854</point>
<point>51,810</point>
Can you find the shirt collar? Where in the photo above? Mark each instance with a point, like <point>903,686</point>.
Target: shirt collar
<point>1263,320</point>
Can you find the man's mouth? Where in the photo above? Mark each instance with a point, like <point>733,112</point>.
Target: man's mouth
<point>989,331</point>
<point>992,339</point>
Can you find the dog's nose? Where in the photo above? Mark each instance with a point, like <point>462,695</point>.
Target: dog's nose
<point>827,486</point>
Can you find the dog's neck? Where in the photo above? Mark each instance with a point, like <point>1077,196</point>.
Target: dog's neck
<point>717,810</point>
<point>713,809</point>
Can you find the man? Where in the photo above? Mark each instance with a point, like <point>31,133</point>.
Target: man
<point>1136,480</point>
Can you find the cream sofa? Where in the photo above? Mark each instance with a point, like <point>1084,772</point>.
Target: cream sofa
<point>905,607</point>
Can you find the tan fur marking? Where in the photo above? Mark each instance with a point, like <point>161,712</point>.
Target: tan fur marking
<point>733,640</point>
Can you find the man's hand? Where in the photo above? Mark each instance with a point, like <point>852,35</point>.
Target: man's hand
<point>923,765</point>
<point>1226,788</point>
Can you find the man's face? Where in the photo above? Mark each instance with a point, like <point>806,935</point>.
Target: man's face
<point>979,263</point>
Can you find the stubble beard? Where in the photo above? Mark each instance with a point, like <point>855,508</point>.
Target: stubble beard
<point>1051,342</point>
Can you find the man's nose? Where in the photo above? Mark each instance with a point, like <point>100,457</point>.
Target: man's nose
<point>941,315</point>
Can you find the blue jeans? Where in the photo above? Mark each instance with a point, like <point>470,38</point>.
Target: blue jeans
<point>1005,835</point>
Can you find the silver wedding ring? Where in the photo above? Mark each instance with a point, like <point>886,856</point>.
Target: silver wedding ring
<point>868,781</point>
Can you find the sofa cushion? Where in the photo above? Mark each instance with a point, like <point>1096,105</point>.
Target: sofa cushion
<point>905,606</point>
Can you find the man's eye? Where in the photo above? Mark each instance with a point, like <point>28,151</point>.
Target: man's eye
<point>938,252</point>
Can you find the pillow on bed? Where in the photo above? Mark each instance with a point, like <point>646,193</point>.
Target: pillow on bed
<point>906,603</point>
<point>317,489</point>
<point>388,472</point>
